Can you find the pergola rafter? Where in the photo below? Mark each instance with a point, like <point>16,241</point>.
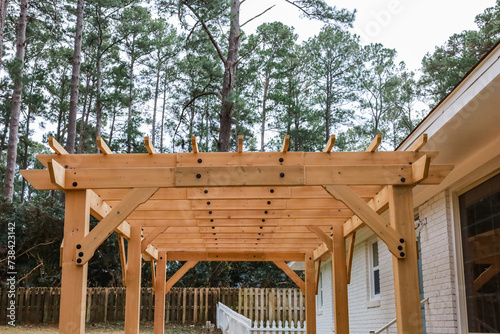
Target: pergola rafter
<point>242,206</point>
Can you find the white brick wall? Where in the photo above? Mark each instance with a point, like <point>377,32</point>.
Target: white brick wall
<point>438,275</point>
<point>437,265</point>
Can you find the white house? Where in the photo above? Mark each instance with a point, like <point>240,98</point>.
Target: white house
<point>457,224</point>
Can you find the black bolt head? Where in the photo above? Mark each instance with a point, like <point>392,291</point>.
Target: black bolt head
<point>208,203</point>
<point>268,202</point>
<point>400,248</point>
<point>80,254</point>
<point>265,212</point>
<point>198,176</point>
<point>403,179</point>
<point>78,246</point>
<point>200,161</point>
<point>263,220</point>
<point>402,254</point>
<point>402,240</point>
<point>79,261</point>
<point>75,184</point>
<point>211,220</point>
<point>206,191</point>
<point>282,175</point>
<point>261,227</point>
<point>213,227</point>
<point>281,159</point>
<point>272,191</point>
<point>209,212</point>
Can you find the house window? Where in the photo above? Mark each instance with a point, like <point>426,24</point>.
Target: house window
<point>480,229</point>
<point>374,270</point>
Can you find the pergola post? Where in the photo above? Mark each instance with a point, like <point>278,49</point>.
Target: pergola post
<point>406,284</point>
<point>133,298</point>
<point>161,267</point>
<point>74,277</point>
<point>339,274</point>
<point>310,294</point>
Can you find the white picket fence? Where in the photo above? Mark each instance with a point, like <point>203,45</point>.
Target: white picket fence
<point>231,322</point>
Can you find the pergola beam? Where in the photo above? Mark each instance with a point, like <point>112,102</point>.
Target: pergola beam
<point>234,256</point>
<point>179,274</point>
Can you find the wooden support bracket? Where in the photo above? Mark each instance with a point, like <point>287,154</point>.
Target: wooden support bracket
<point>103,147</point>
<point>123,259</point>
<point>293,276</point>
<point>318,273</point>
<point>149,146</point>
<point>58,148</point>
<point>330,144</point>
<point>350,255</point>
<point>322,235</point>
<point>86,248</point>
<point>178,275</point>
<point>394,241</point>
<point>153,274</point>
<point>375,143</point>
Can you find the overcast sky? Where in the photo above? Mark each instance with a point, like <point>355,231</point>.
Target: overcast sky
<point>413,28</point>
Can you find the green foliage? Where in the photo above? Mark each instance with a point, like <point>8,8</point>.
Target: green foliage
<point>450,62</point>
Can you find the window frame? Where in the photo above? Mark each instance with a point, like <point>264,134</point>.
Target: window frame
<point>373,298</point>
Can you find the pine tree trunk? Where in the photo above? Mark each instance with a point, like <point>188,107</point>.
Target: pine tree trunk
<point>3,12</point>
<point>153,130</point>
<point>163,113</point>
<point>75,79</point>
<point>16,103</point>
<point>98,104</point>
<point>130,96</point>
<point>263,124</point>
<point>229,79</point>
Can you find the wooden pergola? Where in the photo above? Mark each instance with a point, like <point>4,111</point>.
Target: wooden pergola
<point>238,206</point>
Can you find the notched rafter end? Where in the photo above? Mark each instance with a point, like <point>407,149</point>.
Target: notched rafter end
<point>330,144</point>
<point>149,145</point>
<point>103,147</point>
<point>286,144</point>
<point>58,148</point>
<point>194,144</point>
<point>57,173</point>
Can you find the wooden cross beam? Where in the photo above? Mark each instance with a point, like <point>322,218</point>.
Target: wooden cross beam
<point>151,237</point>
<point>350,255</point>
<point>293,276</point>
<point>178,275</point>
<point>234,256</point>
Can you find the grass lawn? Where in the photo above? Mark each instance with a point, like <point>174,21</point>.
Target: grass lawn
<point>99,328</point>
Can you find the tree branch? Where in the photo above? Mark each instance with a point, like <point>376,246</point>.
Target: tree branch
<point>256,16</point>
<point>212,39</point>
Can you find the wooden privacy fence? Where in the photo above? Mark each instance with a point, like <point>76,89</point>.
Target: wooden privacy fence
<point>182,305</point>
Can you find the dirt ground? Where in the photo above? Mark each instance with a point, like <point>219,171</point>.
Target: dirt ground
<point>99,329</point>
